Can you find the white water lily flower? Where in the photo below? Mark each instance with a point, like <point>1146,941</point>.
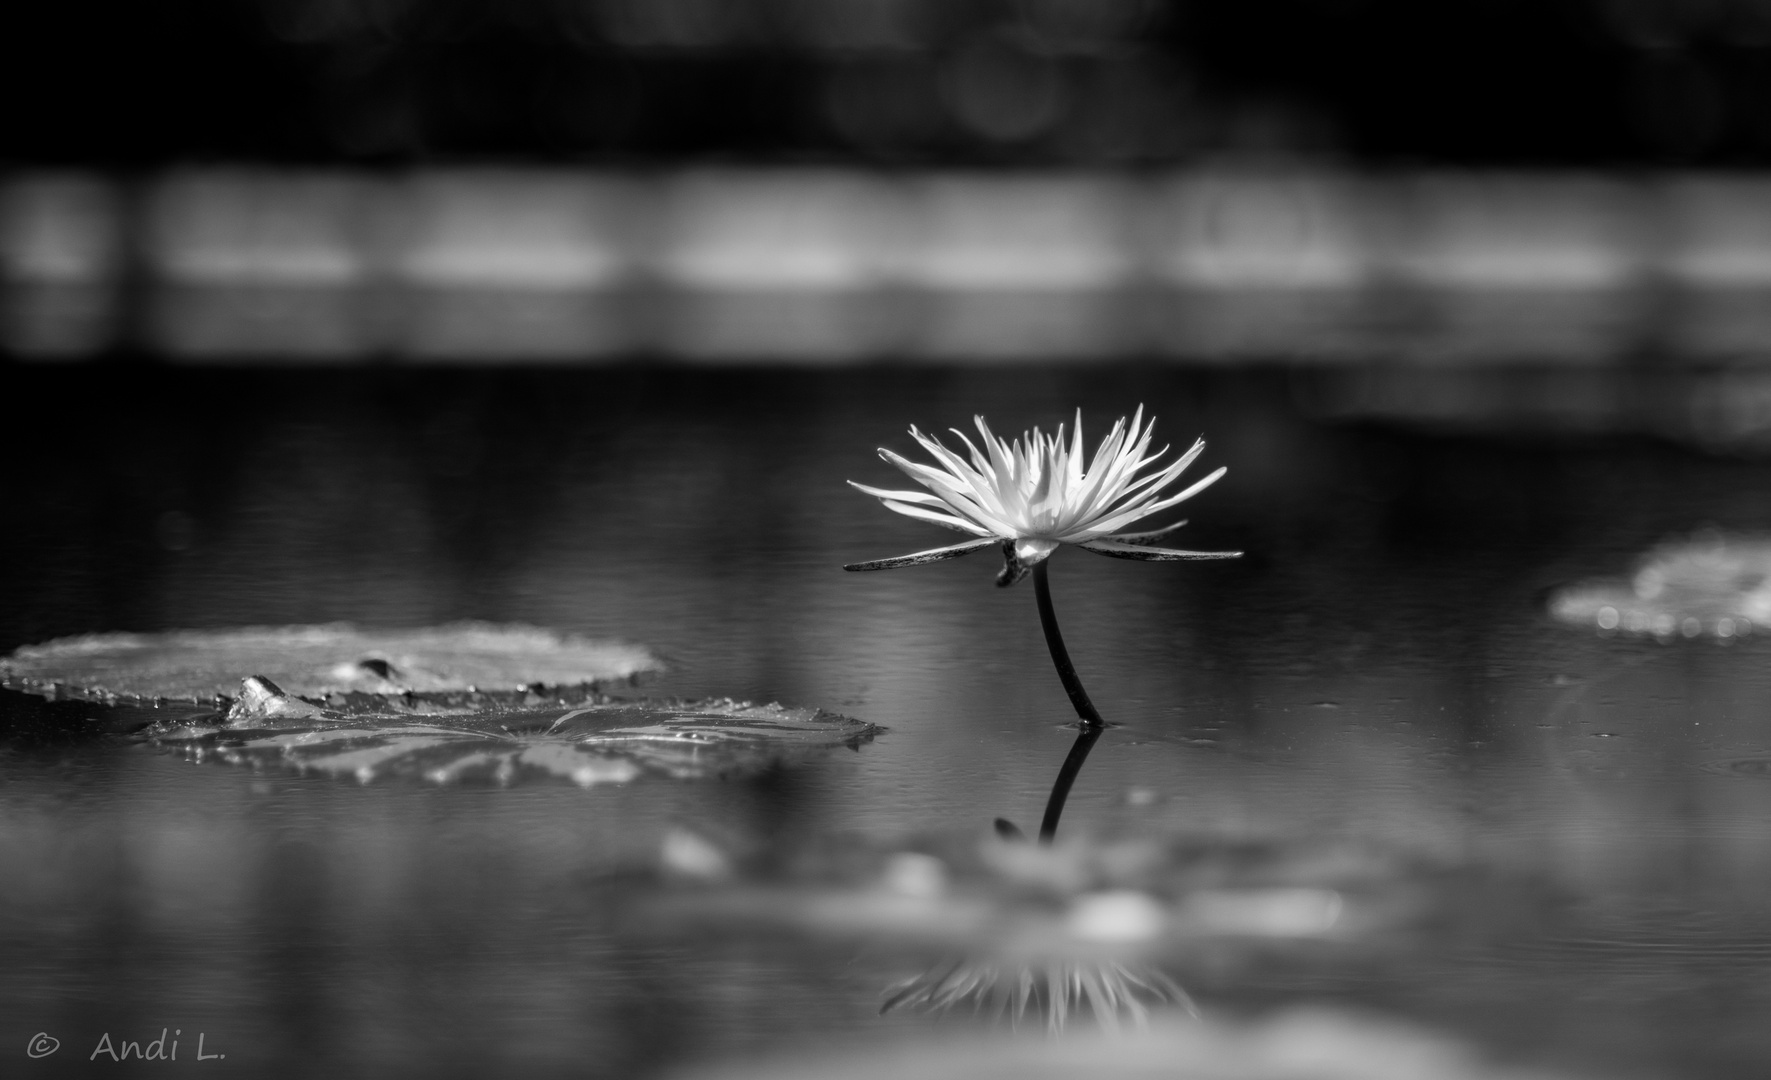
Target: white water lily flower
<point>1034,494</point>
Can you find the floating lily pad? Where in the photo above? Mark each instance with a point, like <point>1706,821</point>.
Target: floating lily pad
<point>1709,586</point>
<point>599,742</point>
<point>315,661</point>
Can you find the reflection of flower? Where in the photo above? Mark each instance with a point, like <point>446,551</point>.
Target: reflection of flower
<point>1033,494</point>
<point>1110,991</point>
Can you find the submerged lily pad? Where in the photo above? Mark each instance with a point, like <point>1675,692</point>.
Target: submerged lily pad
<point>1712,585</point>
<point>594,743</point>
<point>337,658</point>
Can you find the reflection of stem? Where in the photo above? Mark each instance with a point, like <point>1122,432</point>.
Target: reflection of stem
<point>1054,640</point>
<point>1054,807</point>
<point>1092,724</point>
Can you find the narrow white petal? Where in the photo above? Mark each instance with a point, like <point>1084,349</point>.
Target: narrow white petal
<point>1136,454</point>
<point>1121,518</point>
<point>1165,476</point>
<point>1142,492</point>
<point>1104,473</point>
<point>979,461</point>
<point>1145,537</point>
<point>1152,554</point>
<point>943,484</point>
<point>1199,485</point>
<point>961,476</point>
<point>920,557</point>
<point>1076,457</point>
<point>1001,458</point>
<point>938,518</point>
<point>921,498</point>
<point>950,462</point>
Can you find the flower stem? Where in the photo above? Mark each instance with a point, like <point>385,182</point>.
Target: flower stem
<point>1054,640</point>
<point>1092,724</point>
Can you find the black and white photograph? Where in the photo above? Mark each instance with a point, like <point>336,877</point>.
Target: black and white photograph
<point>863,539</point>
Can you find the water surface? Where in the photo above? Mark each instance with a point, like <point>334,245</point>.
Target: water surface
<point>1380,668</point>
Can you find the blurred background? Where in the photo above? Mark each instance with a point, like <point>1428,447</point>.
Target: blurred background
<point>841,181</point>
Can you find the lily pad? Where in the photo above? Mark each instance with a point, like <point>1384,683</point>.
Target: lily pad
<point>337,658</point>
<point>599,742</point>
<point>470,702</point>
<point>1710,586</point>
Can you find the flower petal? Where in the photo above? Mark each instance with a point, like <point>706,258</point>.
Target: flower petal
<point>945,520</point>
<point>1161,478</point>
<point>1128,494</point>
<point>1145,537</point>
<point>916,498</point>
<point>1119,550</point>
<point>1107,476</point>
<point>920,557</point>
<point>943,485</point>
<point>1124,517</point>
<point>1001,458</point>
<point>955,465</point>
<point>1036,489</point>
<point>1074,480</point>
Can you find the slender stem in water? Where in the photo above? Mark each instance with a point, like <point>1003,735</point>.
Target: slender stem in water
<point>1092,724</point>
<point>1054,807</point>
<point>1054,640</point>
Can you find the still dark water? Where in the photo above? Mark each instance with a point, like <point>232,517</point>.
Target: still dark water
<point>1378,668</point>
